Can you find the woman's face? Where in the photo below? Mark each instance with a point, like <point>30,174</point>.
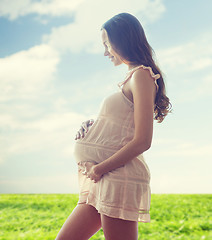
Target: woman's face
<point>109,51</point>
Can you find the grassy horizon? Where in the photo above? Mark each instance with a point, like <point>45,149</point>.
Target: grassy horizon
<point>40,216</point>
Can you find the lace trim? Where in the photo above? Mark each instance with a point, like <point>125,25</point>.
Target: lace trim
<point>129,74</point>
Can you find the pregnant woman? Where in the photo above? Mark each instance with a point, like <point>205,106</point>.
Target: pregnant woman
<point>114,179</point>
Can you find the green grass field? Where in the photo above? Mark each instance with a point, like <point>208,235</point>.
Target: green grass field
<point>40,216</point>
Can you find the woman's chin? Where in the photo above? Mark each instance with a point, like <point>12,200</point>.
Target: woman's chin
<point>117,63</point>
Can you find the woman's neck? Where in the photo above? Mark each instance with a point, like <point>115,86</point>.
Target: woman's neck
<point>130,67</point>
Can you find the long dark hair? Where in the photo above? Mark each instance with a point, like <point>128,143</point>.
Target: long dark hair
<point>128,39</point>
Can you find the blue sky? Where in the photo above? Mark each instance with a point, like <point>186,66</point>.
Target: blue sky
<point>53,76</point>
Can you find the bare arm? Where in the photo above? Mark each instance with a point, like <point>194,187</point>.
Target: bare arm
<point>143,91</point>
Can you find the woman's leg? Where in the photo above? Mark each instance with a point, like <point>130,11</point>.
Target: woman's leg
<point>82,223</point>
<point>118,229</point>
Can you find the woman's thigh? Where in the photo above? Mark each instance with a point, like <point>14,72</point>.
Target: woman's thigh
<point>81,224</point>
<point>118,229</point>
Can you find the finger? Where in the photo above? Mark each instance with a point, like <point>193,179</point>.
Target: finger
<point>84,126</point>
<point>77,135</point>
<point>89,164</point>
<point>81,132</point>
<point>91,122</point>
<point>88,176</point>
<point>95,180</point>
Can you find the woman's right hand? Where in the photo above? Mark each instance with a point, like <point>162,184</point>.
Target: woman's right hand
<point>84,128</point>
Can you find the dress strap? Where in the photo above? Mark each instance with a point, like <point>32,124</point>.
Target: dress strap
<point>129,75</point>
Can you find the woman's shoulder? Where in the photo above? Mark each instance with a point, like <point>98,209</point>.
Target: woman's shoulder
<point>140,75</point>
<point>145,71</point>
<point>144,75</point>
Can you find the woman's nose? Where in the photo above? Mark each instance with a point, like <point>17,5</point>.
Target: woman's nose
<point>106,53</point>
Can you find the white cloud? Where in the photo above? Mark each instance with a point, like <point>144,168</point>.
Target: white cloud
<point>53,131</point>
<point>15,9</point>
<point>54,122</point>
<point>151,10</point>
<point>193,56</point>
<point>205,86</point>
<point>188,149</point>
<point>179,165</point>
<point>84,32</point>
<point>27,72</point>
<point>180,148</point>
<point>12,9</point>
<point>55,7</point>
<point>188,68</point>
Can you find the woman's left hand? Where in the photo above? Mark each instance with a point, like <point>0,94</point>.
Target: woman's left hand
<point>90,171</point>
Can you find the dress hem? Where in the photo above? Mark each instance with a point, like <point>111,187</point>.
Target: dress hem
<point>142,217</point>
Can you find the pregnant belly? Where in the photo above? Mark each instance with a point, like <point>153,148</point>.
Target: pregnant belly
<point>84,152</point>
